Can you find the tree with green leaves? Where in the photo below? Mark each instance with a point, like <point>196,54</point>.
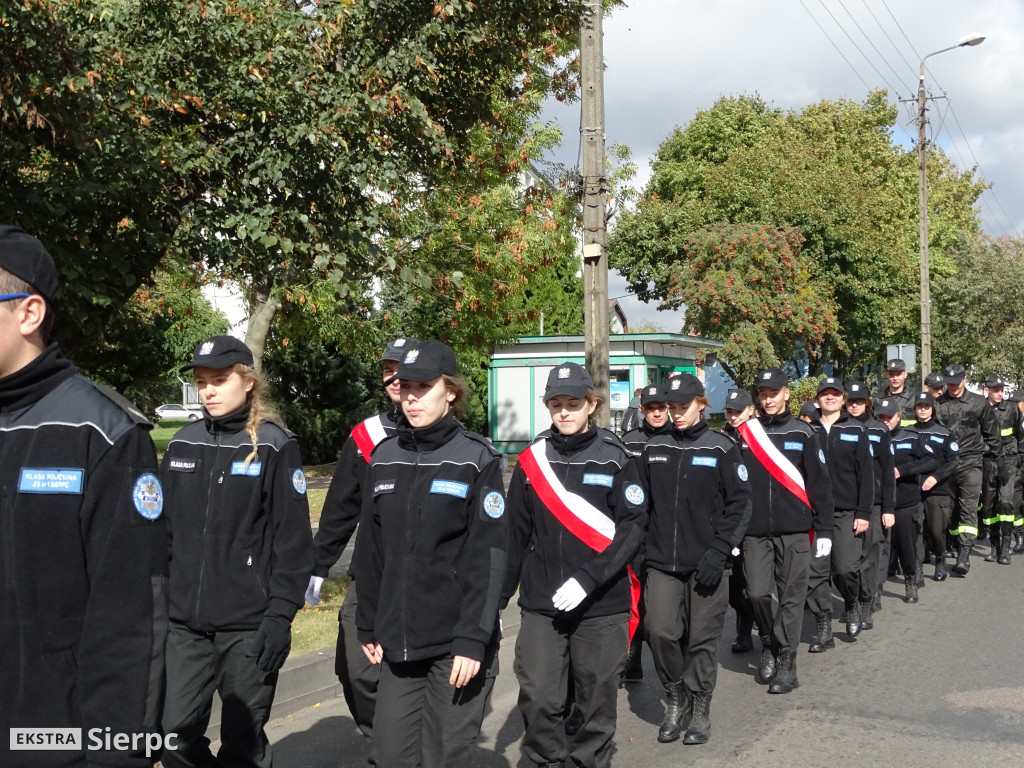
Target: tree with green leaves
<point>832,171</point>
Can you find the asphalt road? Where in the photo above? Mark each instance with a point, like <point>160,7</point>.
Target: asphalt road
<point>933,684</point>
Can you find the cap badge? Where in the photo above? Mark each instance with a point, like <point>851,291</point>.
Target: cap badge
<point>564,373</point>
<point>652,391</point>
<point>207,348</point>
<point>766,375</point>
<point>399,343</point>
<point>676,383</point>
<point>410,356</point>
<point>733,395</point>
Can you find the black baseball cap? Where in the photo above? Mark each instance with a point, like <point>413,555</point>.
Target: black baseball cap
<point>887,407</point>
<point>954,373</point>
<point>219,352</point>
<point>831,383</point>
<point>27,259</point>
<point>395,350</point>
<point>738,399</point>
<point>925,398</point>
<point>1017,396</point>
<point>772,378</point>
<point>933,379</point>
<point>427,361</point>
<point>896,364</point>
<point>683,388</point>
<point>809,408</point>
<point>857,390</point>
<point>652,393</point>
<point>569,379</point>
<point>994,380</point>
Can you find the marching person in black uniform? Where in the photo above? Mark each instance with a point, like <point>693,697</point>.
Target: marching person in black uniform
<point>792,500</point>
<point>935,487</point>
<point>969,417</point>
<point>1000,474</point>
<point>858,405</point>
<point>934,384</point>
<point>913,457</point>
<point>739,408</point>
<point>338,521</point>
<point>699,510</point>
<point>83,611</point>
<point>899,390</point>
<point>1017,398</point>
<point>850,469</point>
<point>241,552</point>
<point>578,514</point>
<point>430,562</point>
<point>654,411</point>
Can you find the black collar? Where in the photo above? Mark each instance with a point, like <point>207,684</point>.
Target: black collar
<point>34,381</point>
<point>231,424</point>
<point>695,431</point>
<point>570,444</point>
<point>428,438</point>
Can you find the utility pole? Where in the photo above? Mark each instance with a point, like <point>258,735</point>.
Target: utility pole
<point>595,236</point>
<point>922,229</point>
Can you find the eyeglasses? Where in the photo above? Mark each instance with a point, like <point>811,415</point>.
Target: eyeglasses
<point>12,296</point>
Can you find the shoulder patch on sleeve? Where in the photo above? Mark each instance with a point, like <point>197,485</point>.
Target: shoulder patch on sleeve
<point>148,496</point>
<point>821,456</point>
<point>741,472</point>
<point>634,494</point>
<point>494,505</point>
<point>954,446</point>
<point>299,481</point>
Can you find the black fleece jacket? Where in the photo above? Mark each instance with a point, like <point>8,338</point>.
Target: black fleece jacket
<point>636,439</point>
<point>915,459</point>
<point>849,465</point>
<point>884,479</point>
<point>941,441</point>
<point>699,497</point>
<point>432,550</point>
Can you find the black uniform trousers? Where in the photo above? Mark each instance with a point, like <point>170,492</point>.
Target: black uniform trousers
<point>593,650</point>
<point>843,565</point>
<point>965,488</point>
<point>778,565</point>
<point>997,509</point>
<point>739,598</point>
<point>198,663</point>
<point>422,720</point>
<point>871,564</point>
<point>359,678</point>
<point>937,510</point>
<point>904,537</point>
<point>684,625</point>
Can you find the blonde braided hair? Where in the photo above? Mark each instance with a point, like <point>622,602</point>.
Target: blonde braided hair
<point>260,409</point>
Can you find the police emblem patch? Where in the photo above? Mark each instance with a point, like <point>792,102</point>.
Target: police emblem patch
<point>741,472</point>
<point>766,375</point>
<point>563,373</point>
<point>652,391</point>
<point>410,356</point>
<point>733,395</point>
<point>148,496</point>
<point>494,504</point>
<point>299,481</point>
<point>954,447</point>
<point>676,383</point>
<point>821,456</point>
<point>634,494</point>
<point>399,343</point>
<point>207,348</point>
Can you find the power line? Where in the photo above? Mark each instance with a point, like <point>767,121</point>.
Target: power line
<point>861,52</point>
<point>918,55</point>
<point>838,50</point>
<point>884,32</point>
<point>870,41</point>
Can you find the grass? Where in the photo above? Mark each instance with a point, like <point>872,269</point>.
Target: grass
<point>163,432</point>
<point>316,497</point>
<point>316,627</point>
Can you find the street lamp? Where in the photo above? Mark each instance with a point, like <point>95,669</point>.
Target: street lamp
<point>922,208</point>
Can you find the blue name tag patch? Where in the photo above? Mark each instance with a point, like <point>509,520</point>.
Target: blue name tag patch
<point>793,446</point>
<point>875,438</point>
<point>705,461</point>
<point>51,480</point>
<point>605,480</point>
<point>850,438</point>
<point>904,446</point>
<point>937,439</point>
<point>450,488</point>
<point>239,468</point>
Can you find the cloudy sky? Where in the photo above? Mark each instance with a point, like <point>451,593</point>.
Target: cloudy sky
<point>667,59</point>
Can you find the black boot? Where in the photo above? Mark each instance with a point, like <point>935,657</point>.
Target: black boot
<point>919,574</point>
<point>910,587</point>
<point>633,671</point>
<point>1005,548</point>
<point>768,665</point>
<point>785,679</point>
<point>878,599</point>
<point>744,626</point>
<point>940,569</point>
<point>993,553</point>
<point>822,639</point>
<point>963,560</point>
<point>699,729</point>
<point>866,619</point>
<point>1018,541</point>
<point>853,618</point>
<point>675,713</point>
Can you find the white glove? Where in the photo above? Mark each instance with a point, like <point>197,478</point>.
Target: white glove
<point>313,590</point>
<point>569,595</point>
<point>822,547</point>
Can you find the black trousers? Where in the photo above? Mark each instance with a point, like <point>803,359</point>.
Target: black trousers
<point>997,506</point>
<point>358,677</point>
<point>904,537</point>
<point>593,651</point>
<point>684,625</point>
<point>779,566</point>
<point>871,564</point>
<point>843,565</point>
<point>965,488</point>
<point>198,663</point>
<point>421,720</point>
<point>937,510</point>
<point>739,598</point>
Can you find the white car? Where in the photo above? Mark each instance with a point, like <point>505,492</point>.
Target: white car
<point>175,412</point>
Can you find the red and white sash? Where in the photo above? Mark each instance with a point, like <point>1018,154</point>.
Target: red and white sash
<point>583,520</point>
<point>774,460</point>
<point>368,434</point>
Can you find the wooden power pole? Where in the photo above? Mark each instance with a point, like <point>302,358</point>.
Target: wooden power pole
<point>595,236</point>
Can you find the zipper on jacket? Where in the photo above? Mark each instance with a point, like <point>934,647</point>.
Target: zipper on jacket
<point>259,581</point>
<point>409,534</point>
<point>206,523</point>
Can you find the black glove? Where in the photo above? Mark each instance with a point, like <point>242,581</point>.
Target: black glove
<point>1002,472</point>
<point>710,568</point>
<point>271,643</point>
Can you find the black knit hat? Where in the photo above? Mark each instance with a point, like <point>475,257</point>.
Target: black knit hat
<point>25,257</point>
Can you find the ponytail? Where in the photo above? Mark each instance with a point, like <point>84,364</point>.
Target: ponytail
<point>259,409</point>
